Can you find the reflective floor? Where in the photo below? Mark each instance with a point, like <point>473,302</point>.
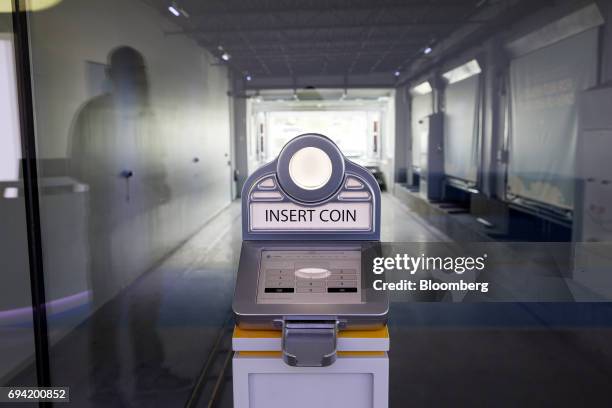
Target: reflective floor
<point>164,340</point>
<point>151,342</point>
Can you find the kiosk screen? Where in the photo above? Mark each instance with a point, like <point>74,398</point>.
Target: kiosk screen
<point>310,276</point>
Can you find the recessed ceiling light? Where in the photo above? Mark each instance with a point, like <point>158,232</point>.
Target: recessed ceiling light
<point>225,56</point>
<point>397,73</point>
<point>174,11</point>
<point>248,77</point>
<point>427,50</point>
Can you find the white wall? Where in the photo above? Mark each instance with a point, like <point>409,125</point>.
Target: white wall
<point>388,143</point>
<point>10,153</point>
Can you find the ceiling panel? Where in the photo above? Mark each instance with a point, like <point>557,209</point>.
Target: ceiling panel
<point>287,38</point>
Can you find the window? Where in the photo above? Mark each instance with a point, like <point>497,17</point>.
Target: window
<point>348,129</point>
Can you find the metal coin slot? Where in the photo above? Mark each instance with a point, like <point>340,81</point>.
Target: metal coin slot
<point>309,344</point>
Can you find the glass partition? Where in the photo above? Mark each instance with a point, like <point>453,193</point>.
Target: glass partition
<point>133,151</point>
<point>16,328</point>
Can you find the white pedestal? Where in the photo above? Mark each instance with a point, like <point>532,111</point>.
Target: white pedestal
<point>359,378</point>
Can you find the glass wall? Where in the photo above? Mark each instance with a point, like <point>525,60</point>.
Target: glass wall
<point>133,153</point>
<point>16,329</point>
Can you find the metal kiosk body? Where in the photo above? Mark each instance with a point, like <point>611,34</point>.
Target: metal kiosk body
<point>310,329</point>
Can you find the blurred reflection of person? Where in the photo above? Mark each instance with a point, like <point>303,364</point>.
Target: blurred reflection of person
<point>116,151</point>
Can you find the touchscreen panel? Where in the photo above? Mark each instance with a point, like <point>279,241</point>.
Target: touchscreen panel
<point>316,277</point>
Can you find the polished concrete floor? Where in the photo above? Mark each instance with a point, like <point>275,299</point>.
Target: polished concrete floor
<point>165,340</point>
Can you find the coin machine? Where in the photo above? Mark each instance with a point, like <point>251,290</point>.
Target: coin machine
<point>310,329</point>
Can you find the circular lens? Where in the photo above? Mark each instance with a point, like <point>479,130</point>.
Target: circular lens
<point>310,168</point>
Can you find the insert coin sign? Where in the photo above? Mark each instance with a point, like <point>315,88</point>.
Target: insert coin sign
<point>292,217</point>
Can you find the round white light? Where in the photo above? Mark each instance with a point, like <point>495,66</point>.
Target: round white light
<point>310,168</point>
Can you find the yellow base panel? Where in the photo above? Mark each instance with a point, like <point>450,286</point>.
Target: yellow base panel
<point>381,333</point>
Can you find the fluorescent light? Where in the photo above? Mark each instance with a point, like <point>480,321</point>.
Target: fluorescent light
<point>462,72</point>
<point>174,11</point>
<point>427,51</point>
<point>225,56</point>
<point>422,89</point>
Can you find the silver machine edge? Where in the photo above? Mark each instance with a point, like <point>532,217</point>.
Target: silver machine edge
<point>310,228</point>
